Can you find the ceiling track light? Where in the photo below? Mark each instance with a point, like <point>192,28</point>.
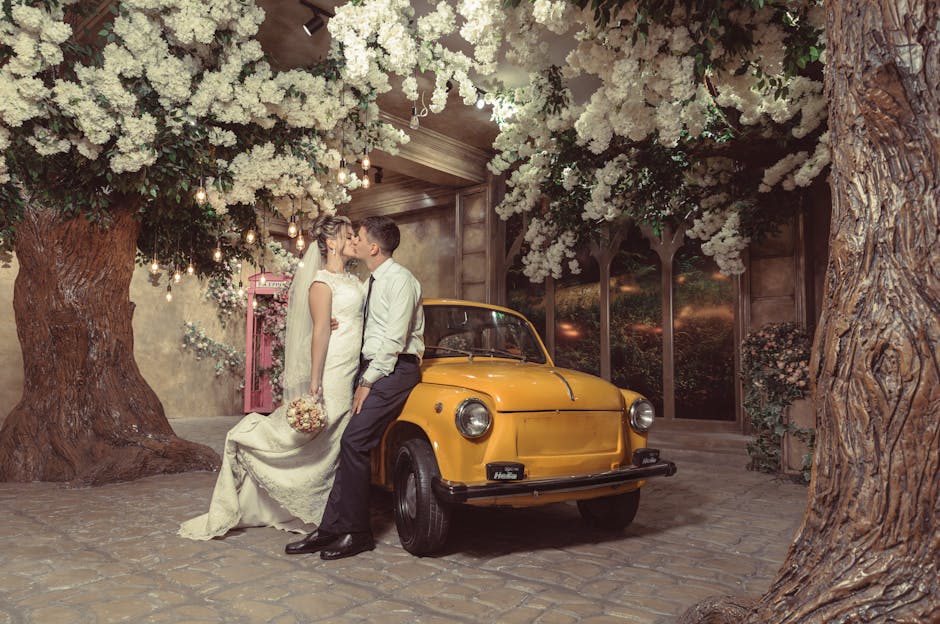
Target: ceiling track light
<point>316,22</point>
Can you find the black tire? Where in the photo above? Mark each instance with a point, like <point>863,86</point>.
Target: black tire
<point>422,520</point>
<point>610,512</point>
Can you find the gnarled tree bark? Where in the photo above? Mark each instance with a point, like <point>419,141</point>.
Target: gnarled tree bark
<point>869,546</point>
<point>87,416</point>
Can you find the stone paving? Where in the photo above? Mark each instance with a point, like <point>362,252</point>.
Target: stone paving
<point>111,554</point>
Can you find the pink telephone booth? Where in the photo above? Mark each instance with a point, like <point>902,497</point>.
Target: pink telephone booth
<point>258,350</point>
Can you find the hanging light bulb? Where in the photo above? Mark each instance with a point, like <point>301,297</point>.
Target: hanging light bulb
<point>154,265</point>
<point>200,193</point>
<point>177,276</point>
<point>342,175</point>
<point>300,264</point>
<point>217,254</point>
<point>241,290</point>
<point>250,236</point>
<point>300,242</point>
<point>262,280</point>
<point>366,161</point>
<point>190,268</point>
<point>254,304</point>
<point>414,123</point>
<point>169,293</point>
<point>292,227</point>
<point>481,101</point>
<point>365,180</point>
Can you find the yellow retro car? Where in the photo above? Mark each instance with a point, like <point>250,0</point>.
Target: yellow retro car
<point>495,422</point>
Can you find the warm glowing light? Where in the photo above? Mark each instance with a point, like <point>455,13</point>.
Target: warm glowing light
<point>241,290</point>
<point>300,263</point>
<point>154,266</point>
<point>250,236</point>
<point>254,304</point>
<point>365,181</point>
<point>217,254</point>
<point>177,276</point>
<point>366,162</point>
<point>720,276</point>
<point>169,293</point>
<point>342,175</point>
<point>301,243</point>
<point>200,195</point>
<point>190,268</point>
<point>681,279</point>
<point>262,280</point>
<point>480,101</point>
<point>628,288</point>
<point>292,228</point>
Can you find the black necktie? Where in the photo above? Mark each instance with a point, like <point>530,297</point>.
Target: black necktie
<point>365,311</point>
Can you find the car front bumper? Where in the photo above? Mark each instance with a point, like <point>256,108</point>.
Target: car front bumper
<point>454,492</point>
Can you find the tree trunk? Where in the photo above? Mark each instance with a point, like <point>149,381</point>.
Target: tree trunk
<point>87,415</point>
<point>869,546</point>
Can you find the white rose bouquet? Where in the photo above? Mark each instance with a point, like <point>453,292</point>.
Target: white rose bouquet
<point>306,414</point>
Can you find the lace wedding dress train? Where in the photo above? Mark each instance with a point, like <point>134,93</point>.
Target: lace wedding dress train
<point>272,475</point>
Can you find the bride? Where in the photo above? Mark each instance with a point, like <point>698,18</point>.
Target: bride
<point>272,475</point>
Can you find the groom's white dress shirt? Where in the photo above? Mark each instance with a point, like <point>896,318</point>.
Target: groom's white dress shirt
<point>394,323</point>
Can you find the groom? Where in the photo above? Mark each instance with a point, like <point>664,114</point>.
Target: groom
<point>392,346</point>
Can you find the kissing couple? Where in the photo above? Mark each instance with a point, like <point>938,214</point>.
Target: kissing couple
<point>364,365</point>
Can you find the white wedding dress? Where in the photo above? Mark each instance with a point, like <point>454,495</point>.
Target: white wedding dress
<point>272,475</point>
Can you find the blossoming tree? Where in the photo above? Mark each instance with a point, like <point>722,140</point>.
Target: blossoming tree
<point>106,137</point>
<point>671,73</point>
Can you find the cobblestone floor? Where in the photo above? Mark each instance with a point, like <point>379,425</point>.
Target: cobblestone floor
<point>111,554</point>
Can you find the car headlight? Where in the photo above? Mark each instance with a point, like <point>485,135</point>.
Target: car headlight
<point>642,415</point>
<point>473,418</point>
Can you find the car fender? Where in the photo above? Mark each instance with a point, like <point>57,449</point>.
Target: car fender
<point>429,412</point>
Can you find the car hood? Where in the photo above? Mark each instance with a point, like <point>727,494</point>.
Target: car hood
<point>525,387</point>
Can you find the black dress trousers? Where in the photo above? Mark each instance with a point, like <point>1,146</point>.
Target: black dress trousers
<point>347,509</point>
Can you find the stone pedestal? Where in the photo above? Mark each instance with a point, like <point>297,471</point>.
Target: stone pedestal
<point>801,413</point>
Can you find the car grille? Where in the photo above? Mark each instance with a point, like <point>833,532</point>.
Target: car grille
<point>542,434</point>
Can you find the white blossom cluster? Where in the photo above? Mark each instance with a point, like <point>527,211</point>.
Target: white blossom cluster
<point>601,205</point>
<point>34,37</point>
<point>647,88</point>
<point>797,169</point>
<point>720,231</point>
<point>172,47</point>
<point>554,248</point>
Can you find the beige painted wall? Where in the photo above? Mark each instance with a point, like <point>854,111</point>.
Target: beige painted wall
<point>186,387</point>
<point>428,248</point>
<point>11,371</point>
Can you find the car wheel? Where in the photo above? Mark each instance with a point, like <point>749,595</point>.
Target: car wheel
<point>610,512</point>
<point>421,519</point>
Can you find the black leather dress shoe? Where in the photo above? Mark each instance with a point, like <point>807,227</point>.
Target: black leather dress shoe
<point>312,543</point>
<point>347,545</point>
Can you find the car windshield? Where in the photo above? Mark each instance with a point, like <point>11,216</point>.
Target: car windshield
<point>454,331</point>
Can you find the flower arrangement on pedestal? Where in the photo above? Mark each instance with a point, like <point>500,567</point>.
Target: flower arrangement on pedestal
<point>775,372</point>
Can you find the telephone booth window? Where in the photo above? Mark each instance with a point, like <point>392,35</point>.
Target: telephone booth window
<point>259,348</point>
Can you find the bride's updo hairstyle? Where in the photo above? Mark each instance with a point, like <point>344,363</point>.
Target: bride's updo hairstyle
<point>327,227</point>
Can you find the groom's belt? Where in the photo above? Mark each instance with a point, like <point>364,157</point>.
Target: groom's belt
<point>402,357</point>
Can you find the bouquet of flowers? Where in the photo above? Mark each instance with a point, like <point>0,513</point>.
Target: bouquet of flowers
<point>306,414</point>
